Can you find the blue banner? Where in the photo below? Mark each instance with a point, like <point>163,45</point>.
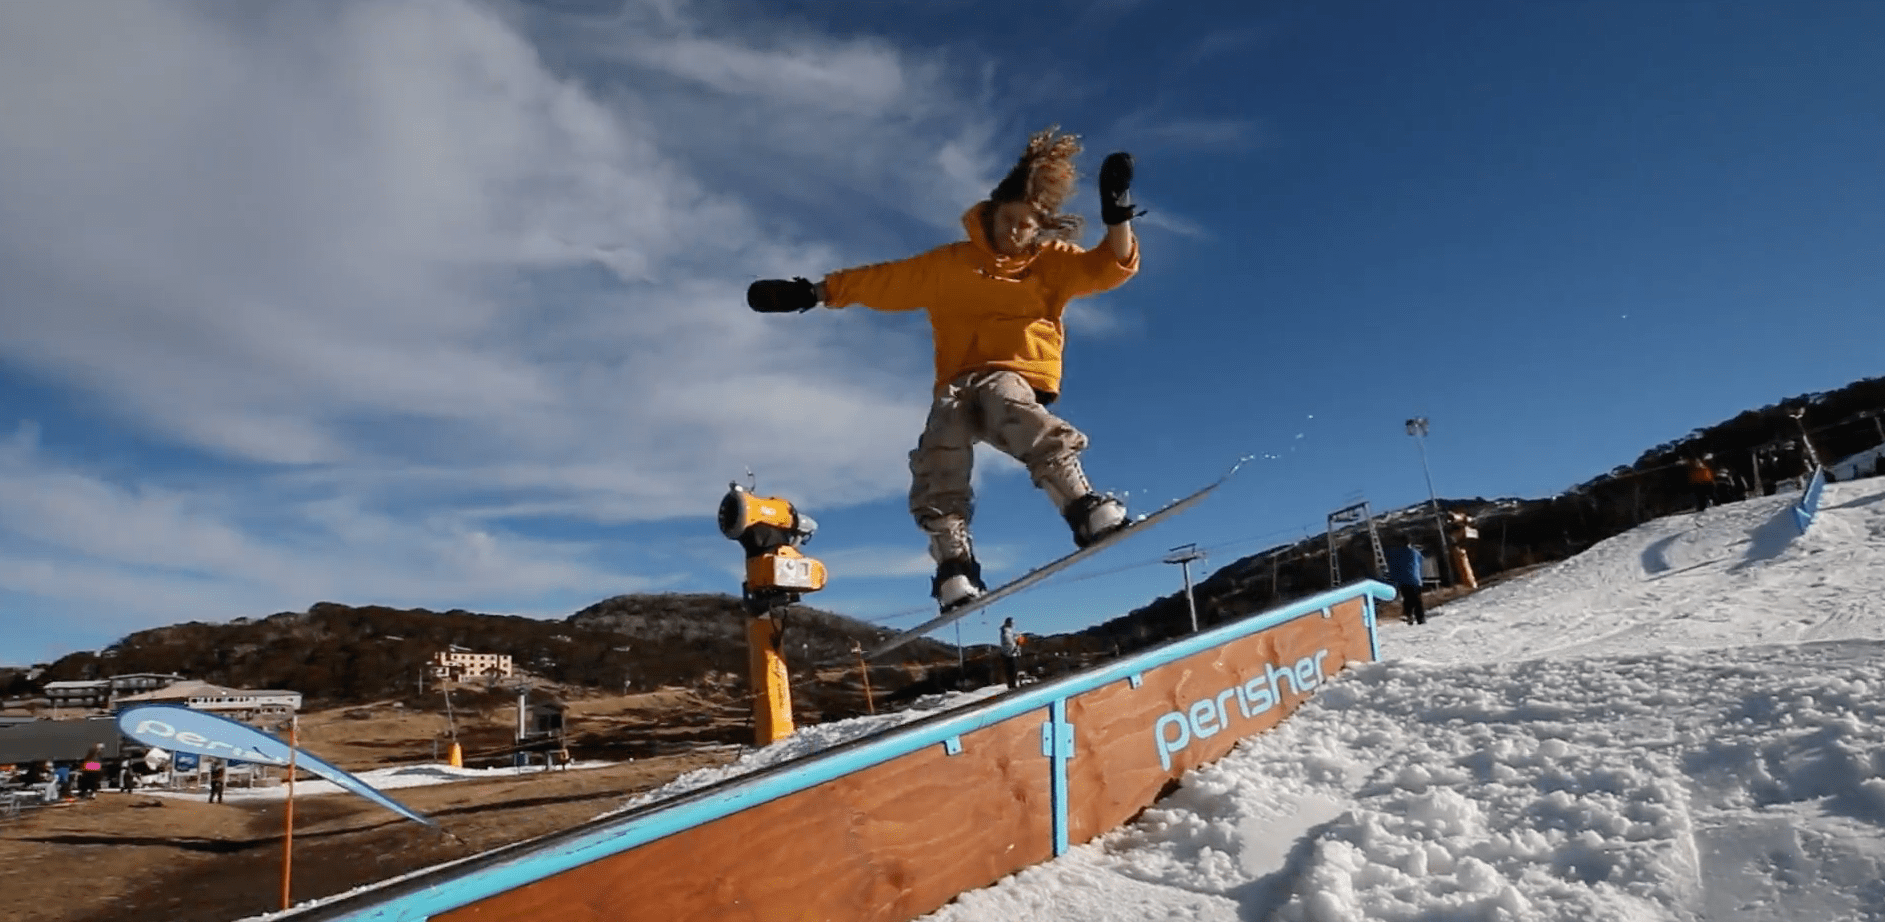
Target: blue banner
<point>1809,504</point>
<point>183,761</point>
<point>181,729</point>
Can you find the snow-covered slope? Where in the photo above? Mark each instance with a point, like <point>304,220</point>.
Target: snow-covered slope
<point>1684,722</point>
<point>1730,576</point>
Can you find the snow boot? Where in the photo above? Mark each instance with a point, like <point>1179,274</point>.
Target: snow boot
<point>1094,516</point>
<point>958,574</point>
<point>957,582</point>
<point>1091,515</point>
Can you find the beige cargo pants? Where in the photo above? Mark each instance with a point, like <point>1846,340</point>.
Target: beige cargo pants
<point>997,407</point>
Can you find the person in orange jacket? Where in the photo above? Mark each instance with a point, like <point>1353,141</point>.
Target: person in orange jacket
<point>996,303</point>
<point>1701,481</point>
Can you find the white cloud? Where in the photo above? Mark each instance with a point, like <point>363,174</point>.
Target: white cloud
<point>1165,219</point>
<point>831,124</point>
<point>1155,130</point>
<point>1098,317</point>
<point>270,235</point>
<point>73,534</point>
<point>1225,41</point>
<point>858,78</point>
<point>458,260</point>
<point>912,559</point>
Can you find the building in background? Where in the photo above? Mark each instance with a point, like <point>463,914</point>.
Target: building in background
<point>262,707</point>
<point>102,694</point>
<point>133,683</point>
<point>81,695</point>
<point>458,664</point>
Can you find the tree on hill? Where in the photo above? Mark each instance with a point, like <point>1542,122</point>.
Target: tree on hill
<point>339,654</point>
<point>1755,447</point>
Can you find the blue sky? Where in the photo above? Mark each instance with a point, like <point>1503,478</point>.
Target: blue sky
<point>439,303</point>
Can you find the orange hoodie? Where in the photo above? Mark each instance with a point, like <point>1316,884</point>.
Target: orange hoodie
<point>987,310</point>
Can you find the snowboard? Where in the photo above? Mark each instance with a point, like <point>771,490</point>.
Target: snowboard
<point>1036,575</point>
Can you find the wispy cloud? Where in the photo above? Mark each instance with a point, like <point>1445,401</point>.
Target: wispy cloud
<point>425,267</point>
<point>1164,219</point>
<point>1100,317</point>
<point>878,561</point>
<point>1154,130</point>
<point>792,114</point>
<point>73,533</point>
<point>1216,42</point>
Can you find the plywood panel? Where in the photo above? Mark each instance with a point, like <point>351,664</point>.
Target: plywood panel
<point>1126,739</point>
<point>884,844</point>
<point>897,840</point>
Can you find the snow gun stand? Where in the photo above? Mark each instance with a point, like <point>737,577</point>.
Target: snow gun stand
<point>770,530</point>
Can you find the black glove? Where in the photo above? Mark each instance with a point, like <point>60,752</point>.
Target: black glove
<point>777,296</point>
<point>1116,189</point>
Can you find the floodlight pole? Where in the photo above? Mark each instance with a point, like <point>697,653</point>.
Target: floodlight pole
<point>1417,427</point>
<point>1183,555</point>
<point>962,663</point>
<point>288,815</point>
<point>1799,419</point>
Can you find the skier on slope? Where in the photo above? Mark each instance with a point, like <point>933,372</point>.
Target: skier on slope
<point>995,304</point>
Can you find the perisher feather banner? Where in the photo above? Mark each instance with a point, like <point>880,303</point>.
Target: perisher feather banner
<point>183,729</point>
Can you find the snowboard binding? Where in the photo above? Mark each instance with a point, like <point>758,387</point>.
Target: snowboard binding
<point>958,581</point>
<point>1093,517</point>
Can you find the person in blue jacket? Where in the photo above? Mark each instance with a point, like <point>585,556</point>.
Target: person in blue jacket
<point>1405,571</point>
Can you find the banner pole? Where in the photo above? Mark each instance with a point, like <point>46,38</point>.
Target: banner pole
<point>288,834</point>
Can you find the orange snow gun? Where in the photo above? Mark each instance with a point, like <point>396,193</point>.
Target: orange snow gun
<point>770,530</point>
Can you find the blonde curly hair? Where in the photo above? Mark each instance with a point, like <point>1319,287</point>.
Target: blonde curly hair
<point>1044,177</point>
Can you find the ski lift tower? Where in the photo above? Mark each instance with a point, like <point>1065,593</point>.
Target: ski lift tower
<point>1812,456</point>
<point>1184,555</point>
<point>520,756</point>
<point>1345,516</point>
<point>1417,427</point>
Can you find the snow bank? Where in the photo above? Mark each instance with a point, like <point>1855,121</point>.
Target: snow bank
<point>1864,463</point>
<point>805,741</point>
<point>1684,722</point>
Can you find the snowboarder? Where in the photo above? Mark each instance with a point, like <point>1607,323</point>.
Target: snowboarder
<point>995,304</point>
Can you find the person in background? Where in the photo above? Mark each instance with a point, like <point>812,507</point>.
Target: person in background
<point>1011,653</point>
<point>1701,482</point>
<point>218,776</point>
<point>92,772</point>
<point>1406,571</point>
<point>52,781</point>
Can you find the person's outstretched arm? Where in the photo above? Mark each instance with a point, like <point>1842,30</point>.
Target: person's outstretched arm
<point>901,285</point>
